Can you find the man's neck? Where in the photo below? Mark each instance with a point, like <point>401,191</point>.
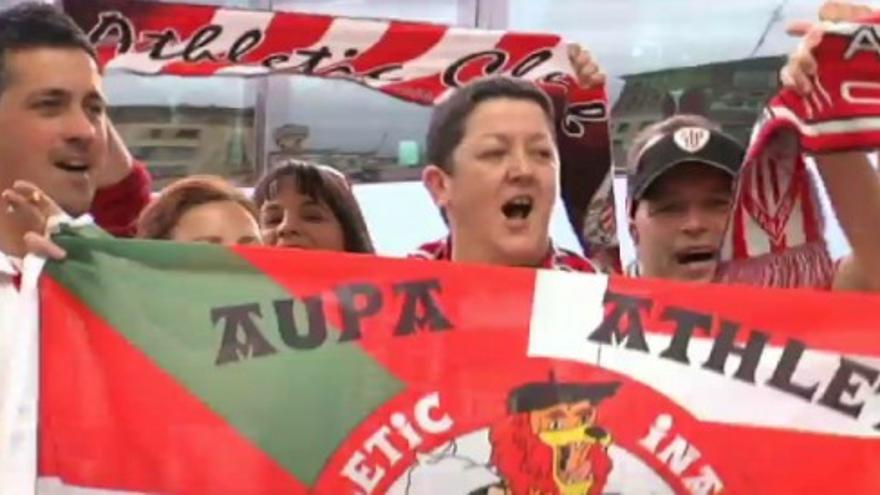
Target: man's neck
<point>465,252</point>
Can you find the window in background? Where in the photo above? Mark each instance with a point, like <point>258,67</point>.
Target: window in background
<point>236,127</point>
<point>159,116</point>
<point>368,135</point>
<point>181,126</point>
<point>676,56</point>
<point>451,12</point>
<point>436,11</point>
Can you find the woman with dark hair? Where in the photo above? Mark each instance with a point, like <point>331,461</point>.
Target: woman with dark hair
<point>310,206</point>
<point>200,209</point>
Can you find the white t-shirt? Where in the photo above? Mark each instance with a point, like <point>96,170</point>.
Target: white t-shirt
<point>19,351</point>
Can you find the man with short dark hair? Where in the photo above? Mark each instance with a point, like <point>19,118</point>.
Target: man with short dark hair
<point>681,199</point>
<point>682,174</point>
<point>494,171</point>
<point>54,130</point>
<point>54,134</point>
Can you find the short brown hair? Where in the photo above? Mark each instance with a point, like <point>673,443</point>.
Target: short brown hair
<point>664,128</point>
<point>321,183</point>
<point>37,25</point>
<point>446,128</point>
<point>163,213</point>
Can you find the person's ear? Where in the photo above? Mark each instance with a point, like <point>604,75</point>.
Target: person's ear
<point>438,183</point>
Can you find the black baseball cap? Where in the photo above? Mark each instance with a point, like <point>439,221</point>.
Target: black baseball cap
<point>691,144</point>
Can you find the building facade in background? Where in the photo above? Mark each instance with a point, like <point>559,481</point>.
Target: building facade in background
<point>731,93</point>
<point>178,141</point>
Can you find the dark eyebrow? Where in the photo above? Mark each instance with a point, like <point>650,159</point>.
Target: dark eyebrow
<point>63,93</point>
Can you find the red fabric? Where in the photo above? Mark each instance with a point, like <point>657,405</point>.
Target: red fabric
<point>693,405</point>
<point>584,145</point>
<point>116,208</point>
<point>808,266</point>
<point>83,441</point>
<point>776,235</point>
<point>844,111</point>
<point>557,258</point>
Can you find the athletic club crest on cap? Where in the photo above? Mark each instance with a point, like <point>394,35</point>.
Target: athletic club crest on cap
<point>692,139</point>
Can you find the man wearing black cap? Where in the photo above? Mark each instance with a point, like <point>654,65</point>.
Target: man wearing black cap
<point>551,441</point>
<point>684,172</point>
<point>680,194</point>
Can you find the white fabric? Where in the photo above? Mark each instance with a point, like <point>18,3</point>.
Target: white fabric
<point>19,367</point>
<point>19,354</point>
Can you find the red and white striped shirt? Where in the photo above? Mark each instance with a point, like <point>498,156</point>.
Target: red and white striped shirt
<point>556,259</point>
<point>803,267</point>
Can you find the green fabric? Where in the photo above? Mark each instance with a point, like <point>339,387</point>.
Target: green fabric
<point>159,295</point>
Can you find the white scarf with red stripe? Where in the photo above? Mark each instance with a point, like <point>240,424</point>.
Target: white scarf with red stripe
<point>418,62</point>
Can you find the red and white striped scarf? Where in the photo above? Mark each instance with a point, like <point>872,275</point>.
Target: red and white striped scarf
<point>417,62</point>
<point>556,259</point>
<point>776,236</point>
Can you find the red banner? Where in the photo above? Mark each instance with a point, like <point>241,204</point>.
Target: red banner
<point>207,370</point>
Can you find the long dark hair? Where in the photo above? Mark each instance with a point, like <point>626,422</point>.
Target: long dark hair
<point>321,183</point>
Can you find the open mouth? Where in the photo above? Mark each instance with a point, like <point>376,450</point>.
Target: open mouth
<point>73,166</point>
<point>695,256</point>
<point>518,207</point>
<point>572,463</point>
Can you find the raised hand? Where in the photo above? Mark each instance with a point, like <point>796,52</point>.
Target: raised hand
<point>586,69</point>
<point>35,213</point>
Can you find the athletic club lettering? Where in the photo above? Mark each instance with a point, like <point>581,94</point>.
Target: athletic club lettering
<point>208,45</point>
<point>864,39</point>
<point>842,391</point>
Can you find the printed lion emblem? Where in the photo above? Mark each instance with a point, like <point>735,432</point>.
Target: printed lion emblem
<point>551,443</point>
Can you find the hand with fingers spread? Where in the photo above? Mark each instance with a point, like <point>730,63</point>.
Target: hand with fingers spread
<point>587,71</point>
<point>34,212</point>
